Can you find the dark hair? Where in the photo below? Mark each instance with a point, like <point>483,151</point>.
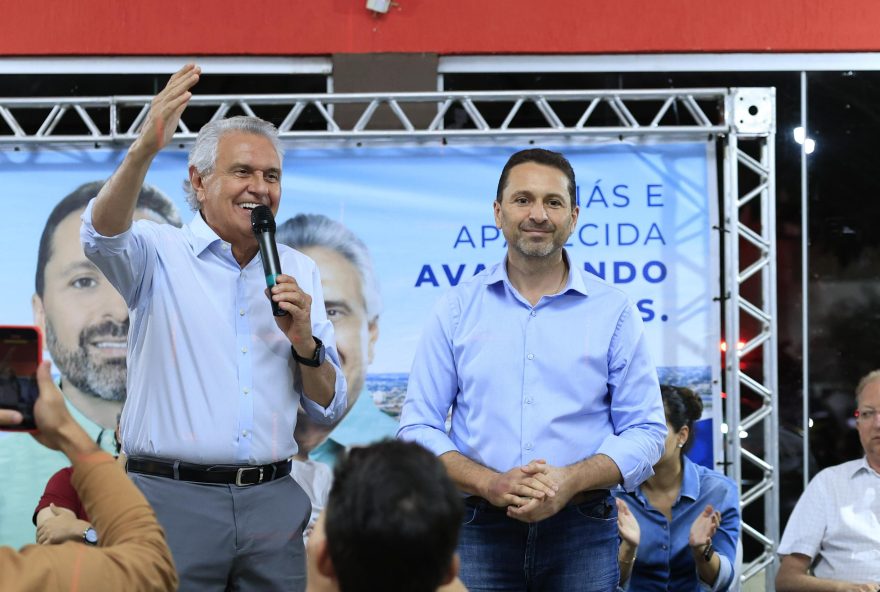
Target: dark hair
<point>149,198</point>
<point>392,519</point>
<point>539,156</point>
<point>683,407</point>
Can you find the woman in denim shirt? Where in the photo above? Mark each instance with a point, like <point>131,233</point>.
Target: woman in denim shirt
<point>679,529</point>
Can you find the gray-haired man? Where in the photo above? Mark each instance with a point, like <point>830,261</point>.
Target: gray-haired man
<point>214,379</point>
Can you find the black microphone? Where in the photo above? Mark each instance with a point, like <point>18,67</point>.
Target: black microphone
<point>263,224</point>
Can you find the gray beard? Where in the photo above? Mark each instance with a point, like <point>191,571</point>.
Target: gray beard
<point>530,249</point>
<point>103,379</point>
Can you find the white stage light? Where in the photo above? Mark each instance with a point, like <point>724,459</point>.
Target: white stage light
<point>801,138</point>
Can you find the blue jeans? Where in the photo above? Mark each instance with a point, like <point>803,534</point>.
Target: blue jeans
<point>572,551</point>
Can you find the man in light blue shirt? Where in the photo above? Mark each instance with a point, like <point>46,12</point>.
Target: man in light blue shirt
<point>214,380</point>
<point>554,397</point>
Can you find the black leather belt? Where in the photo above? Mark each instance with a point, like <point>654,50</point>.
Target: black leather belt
<point>228,474</point>
<point>582,497</point>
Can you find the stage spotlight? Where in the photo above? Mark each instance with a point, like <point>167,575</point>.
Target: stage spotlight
<point>801,138</point>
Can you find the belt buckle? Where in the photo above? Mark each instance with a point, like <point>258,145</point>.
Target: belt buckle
<point>241,472</point>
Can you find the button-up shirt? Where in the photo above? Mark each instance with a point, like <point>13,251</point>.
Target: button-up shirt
<point>836,522</point>
<point>664,560</point>
<point>211,377</point>
<point>565,379</point>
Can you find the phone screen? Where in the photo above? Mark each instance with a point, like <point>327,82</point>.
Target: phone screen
<point>21,351</point>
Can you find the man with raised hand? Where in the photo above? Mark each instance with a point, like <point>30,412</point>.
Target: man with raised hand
<point>214,379</point>
<point>554,397</point>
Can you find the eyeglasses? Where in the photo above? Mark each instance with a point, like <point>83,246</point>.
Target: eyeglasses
<point>866,415</point>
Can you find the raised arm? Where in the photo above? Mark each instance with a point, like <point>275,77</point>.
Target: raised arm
<point>114,208</point>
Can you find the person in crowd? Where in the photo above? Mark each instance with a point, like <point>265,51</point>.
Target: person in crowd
<point>214,378</point>
<point>85,324</point>
<point>553,394</point>
<point>60,515</point>
<point>679,529</point>
<point>391,524</point>
<point>133,555</point>
<point>832,540</point>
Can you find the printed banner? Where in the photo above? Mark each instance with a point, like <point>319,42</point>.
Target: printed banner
<point>424,215</point>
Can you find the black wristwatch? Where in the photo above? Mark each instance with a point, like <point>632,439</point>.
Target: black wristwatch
<point>317,358</point>
<point>708,552</point>
<point>90,537</point>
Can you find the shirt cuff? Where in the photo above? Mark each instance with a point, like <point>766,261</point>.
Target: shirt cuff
<point>723,581</point>
<point>93,241</point>
<point>629,458</point>
<point>338,404</point>
<point>432,439</point>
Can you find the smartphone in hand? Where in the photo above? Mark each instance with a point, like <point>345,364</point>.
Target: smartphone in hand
<point>21,351</point>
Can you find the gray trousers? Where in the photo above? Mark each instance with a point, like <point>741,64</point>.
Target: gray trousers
<point>230,538</point>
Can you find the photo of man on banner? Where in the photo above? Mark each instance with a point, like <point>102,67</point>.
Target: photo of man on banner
<point>85,324</point>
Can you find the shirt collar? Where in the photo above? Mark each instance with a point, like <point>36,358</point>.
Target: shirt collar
<point>690,479</point>
<point>862,465</point>
<point>200,235</point>
<point>575,282</point>
<point>690,483</point>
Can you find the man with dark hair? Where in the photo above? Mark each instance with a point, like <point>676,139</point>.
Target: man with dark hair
<point>85,324</point>
<point>553,397</point>
<point>391,523</point>
<point>832,540</point>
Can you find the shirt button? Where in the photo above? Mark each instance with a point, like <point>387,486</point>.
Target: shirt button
<point>664,527</point>
<point>528,400</point>
<point>533,313</point>
<point>531,356</point>
<point>225,247</point>
<point>241,312</point>
<point>528,445</point>
<point>244,434</point>
<point>663,547</point>
<point>246,390</point>
<point>244,350</point>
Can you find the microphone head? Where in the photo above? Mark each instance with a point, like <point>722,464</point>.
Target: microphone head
<point>262,220</point>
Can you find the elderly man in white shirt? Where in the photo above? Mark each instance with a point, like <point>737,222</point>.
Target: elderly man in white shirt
<point>835,527</point>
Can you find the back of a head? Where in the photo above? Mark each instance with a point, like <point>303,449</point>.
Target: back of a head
<point>392,519</point>
<point>683,407</point>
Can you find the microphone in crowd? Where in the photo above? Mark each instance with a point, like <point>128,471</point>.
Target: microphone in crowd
<point>263,225</point>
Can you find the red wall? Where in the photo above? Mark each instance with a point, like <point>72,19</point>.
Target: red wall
<point>320,27</point>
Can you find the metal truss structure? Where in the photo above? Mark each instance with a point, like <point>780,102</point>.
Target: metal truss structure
<point>743,120</point>
<point>118,119</point>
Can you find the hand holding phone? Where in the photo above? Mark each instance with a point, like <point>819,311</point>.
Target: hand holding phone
<point>21,351</point>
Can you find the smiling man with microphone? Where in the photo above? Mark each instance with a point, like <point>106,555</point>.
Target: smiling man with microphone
<point>216,371</point>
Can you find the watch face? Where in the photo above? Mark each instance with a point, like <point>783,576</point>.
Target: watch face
<point>90,536</point>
